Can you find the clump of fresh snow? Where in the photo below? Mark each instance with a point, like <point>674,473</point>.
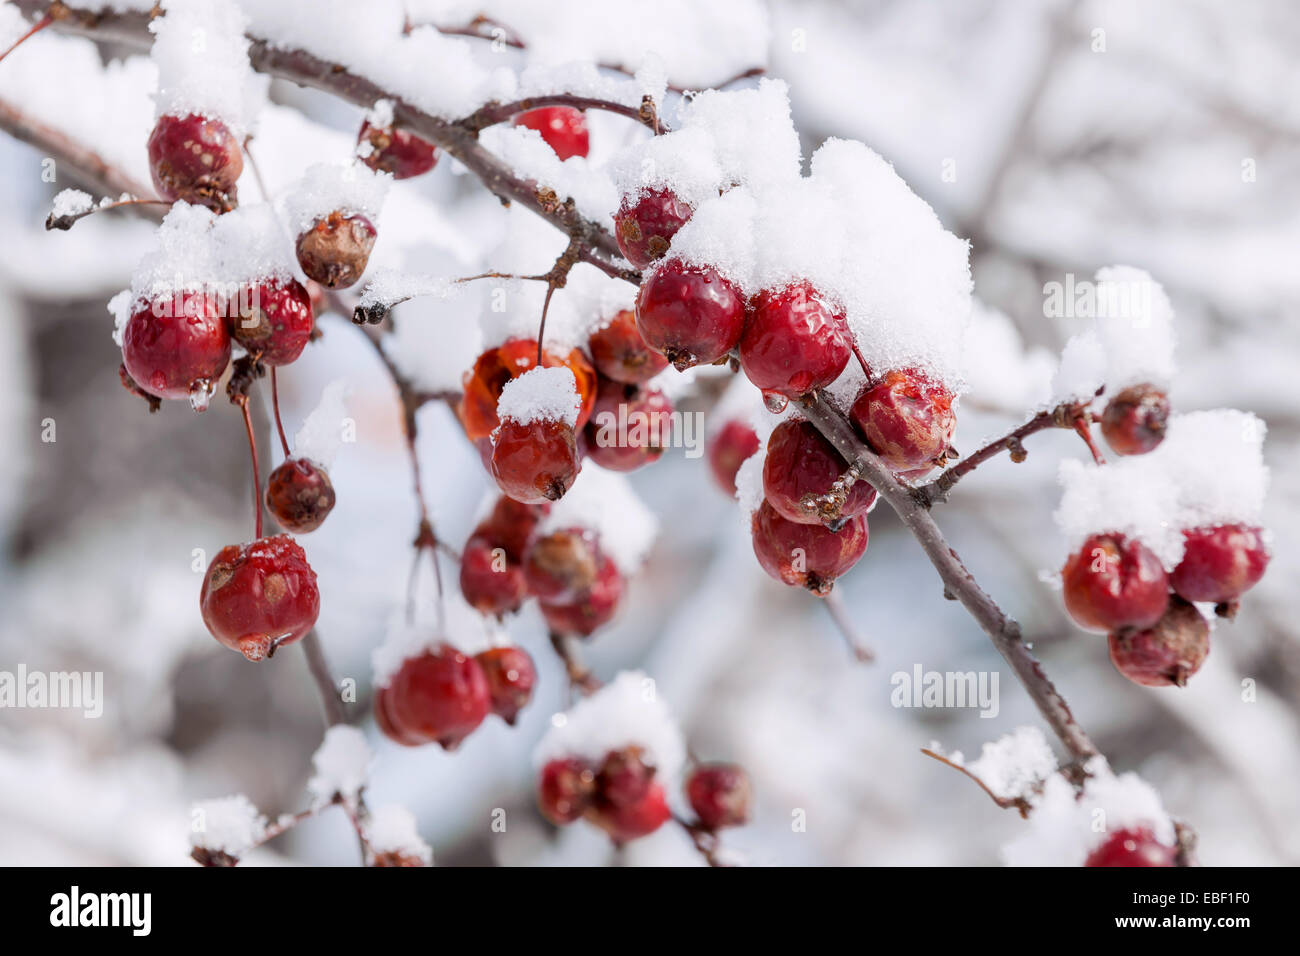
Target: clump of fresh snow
<point>250,244</point>
<point>541,395</point>
<point>1208,471</point>
<point>1064,827</point>
<point>604,502</point>
<point>386,287</point>
<point>342,765</point>
<point>684,161</point>
<point>227,824</point>
<point>1014,766</point>
<point>324,430</point>
<point>71,202</point>
<point>350,188</point>
<point>392,829</point>
<point>627,711</point>
<point>202,57</point>
<point>754,139</point>
<point>529,157</point>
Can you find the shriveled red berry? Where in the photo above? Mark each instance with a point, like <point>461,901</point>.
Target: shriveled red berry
<point>482,385</point>
<point>197,160</point>
<point>728,449</point>
<point>511,524</point>
<point>619,353</point>
<point>177,347</point>
<point>535,461</point>
<point>907,419</point>
<point>565,789</point>
<point>562,564</point>
<point>802,465</point>
<point>490,581</point>
<point>591,608</point>
<point>806,555</point>
<point>335,250</point>
<point>396,151</point>
<point>1220,564</point>
<point>719,793</point>
<point>564,129</point>
<point>646,222</point>
<point>795,341</point>
<point>510,675</point>
<point>691,314</point>
<point>438,696</point>
<point>1113,583</point>
<point>300,495</point>
<point>631,821</point>
<point>1135,846</point>
<point>1167,653</point>
<point>274,320</point>
<point>1135,420</point>
<point>630,426</point>
<point>260,596</point>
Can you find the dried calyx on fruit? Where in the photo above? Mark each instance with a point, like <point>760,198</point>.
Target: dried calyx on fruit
<point>334,250</point>
<point>300,495</point>
<point>195,159</point>
<point>261,596</point>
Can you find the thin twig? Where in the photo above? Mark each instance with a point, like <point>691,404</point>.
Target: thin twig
<point>844,624</point>
<point>1006,803</point>
<point>320,672</point>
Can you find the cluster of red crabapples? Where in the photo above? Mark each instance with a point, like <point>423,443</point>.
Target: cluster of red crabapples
<point>621,795</point>
<point>789,341</point>
<point>1118,585</point>
<point>441,695</point>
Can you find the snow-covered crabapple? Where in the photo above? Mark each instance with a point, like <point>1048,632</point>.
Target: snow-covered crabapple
<point>565,788</point>
<point>534,461</point>
<point>1133,846</point>
<point>646,222</point>
<point>259,596</point>
<point>801,462</point>
<point>1135,420</point>
<point>795,341</point>
<point>274,321</point>
<point>300,495</point>
<point>195,159</point>
<point>335,249</point>
<point>482,385</point>
<point>177,347</point>
<point>906,418</point>
<point>1113,583</point>
<point>396,151</point>
<point>691,314</point>
<point>1220,563</point>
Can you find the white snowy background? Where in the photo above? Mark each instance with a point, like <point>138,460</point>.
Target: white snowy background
<point>1049,154</point>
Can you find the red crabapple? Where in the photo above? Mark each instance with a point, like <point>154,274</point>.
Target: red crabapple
<point>562,564</point>
<point>795,341</point>
<point>510,675</point>
<point>689,313</point>
<point>260,596</point>
<point>396,151</point>
<point>482,385</point>
<point>806,555</point>
<point>907,419</point>
<point>536,461</point>
<point>728,449</point>
<point>438,696</point>
<point>177,347</point>
<point>565,789</point>
<point>627,822</point>
<point>629,426</point>
<point>395,858</point>
<point>275,321</point>
<point>1167,653</point>
<point>619,353</point>
<point>564,129</point>
<point>300,495</point>
<point>801,463</point>
<point>719,793</point>
<point>591,608</point>
<point>646,222</point>
<point>1134,846</point>
<point>490,582</point>
<point>196,160</point>
<point>335,250</point>
<point>1135,420</point>
<point>511,524</point>
<point>1113,583</point>
<point>1220,564</point>
<point>624,777</point>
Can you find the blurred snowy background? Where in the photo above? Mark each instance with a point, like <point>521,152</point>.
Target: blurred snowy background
<point>1056,137</point>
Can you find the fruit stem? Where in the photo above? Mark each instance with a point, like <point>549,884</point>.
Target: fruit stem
<point>275,406</point>
<point>257,478</point>
<point>541,328</point>
<point>40,25</point>
<point>866,369</point>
